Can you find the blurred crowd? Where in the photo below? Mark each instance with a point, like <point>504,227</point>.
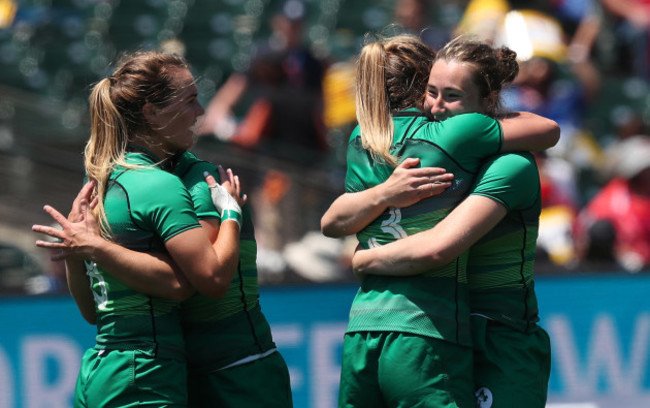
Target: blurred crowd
<point>282,121</point>
<point>595,182</point>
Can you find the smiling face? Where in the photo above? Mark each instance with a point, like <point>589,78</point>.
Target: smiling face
<point>173,124</point>
<point>451,91</point>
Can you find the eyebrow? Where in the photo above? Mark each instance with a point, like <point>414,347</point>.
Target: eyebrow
<point>445,88</point>
<point>192,95</point>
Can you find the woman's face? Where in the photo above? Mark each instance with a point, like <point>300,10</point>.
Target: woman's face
<point>451,91</point>
<point>173,124</point>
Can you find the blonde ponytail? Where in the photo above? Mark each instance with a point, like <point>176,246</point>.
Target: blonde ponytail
<point>106,146</point>
<point>392,75</point>
<point>372,103</point>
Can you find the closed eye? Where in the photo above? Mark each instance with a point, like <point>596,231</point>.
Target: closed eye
<point>453,96</point>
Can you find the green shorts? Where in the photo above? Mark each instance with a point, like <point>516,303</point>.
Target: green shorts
<point>259,383</point>
<point>388,369</point>
<point>511,368</point>
<point>131,378</point>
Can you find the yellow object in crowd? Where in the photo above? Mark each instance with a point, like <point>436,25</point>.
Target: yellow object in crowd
<point>8,10</point>
<point>338,90</point>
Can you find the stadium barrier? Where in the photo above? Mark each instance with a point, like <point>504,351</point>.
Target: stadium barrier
<point>599,327</point>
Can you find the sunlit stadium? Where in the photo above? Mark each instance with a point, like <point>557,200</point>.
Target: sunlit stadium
<point>283,126</point>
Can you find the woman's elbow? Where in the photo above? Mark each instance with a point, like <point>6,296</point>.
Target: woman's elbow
<point>181,293</point>
<point>440,257</point>
<point>91,318</point>
<point>215,288</point>
<point>331,232</point>
<point>332,229</point>
<point>326,227</point>
<point>551,136</point>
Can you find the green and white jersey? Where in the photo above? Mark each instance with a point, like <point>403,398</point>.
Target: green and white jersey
<point>145,206</point>
<point>221,331</point>
<point>500,265</point>
<point>434,303</point>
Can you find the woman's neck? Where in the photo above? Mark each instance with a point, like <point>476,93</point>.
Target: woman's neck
<point>157,149</point>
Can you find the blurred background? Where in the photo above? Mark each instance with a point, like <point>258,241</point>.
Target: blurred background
<point>276,79</point>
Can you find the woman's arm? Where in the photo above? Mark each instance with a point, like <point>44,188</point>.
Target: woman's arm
<point>79,287</point>
<point>151,274</point>
<point>436,247</point>
<point>210,267</point>
<point>196,261</point>
<point>525,131</point>
<point>351,212</point>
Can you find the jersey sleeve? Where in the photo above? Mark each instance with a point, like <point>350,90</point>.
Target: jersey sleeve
<point>197,187</point>
<point>362,170</point>
<point>166,205</point>
<point>471,136</point>
<point>355,163</point>
<point>511,179</point>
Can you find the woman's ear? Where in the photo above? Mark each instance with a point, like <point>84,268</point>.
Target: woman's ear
<point>491,102</point>
<point>149,111</point>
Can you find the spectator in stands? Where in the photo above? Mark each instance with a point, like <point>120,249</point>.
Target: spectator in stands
<point>557,78</point>
<point>415,17</point>
<point>285,119</point>
<point>615,224</point>
<point>284,125</point>
<point>632,35</point>
<point>560,204</point>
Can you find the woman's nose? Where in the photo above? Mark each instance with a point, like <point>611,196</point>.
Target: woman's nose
<point>437,105</point>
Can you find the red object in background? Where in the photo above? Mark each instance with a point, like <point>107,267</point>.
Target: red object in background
<point>628,212</point>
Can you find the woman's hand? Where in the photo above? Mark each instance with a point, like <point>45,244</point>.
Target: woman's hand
<point>80,232</point>
<point>230,181</point>
<point>409,184</point>
<point>227,197</point>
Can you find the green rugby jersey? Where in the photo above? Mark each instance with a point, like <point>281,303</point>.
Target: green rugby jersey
<point>221,331</point>
<point>145,206</point>
<point>500,265</point>
<point>434,303</point>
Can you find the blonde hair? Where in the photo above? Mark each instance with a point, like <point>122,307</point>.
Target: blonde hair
<point>116,114</point>
<point>392,75</point>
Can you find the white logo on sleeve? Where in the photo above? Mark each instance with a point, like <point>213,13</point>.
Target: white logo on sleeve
<point>483,398</point>
<point>97,285</point>
<point>391,224</point>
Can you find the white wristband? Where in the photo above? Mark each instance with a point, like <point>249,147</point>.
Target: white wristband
<point>231,215</point>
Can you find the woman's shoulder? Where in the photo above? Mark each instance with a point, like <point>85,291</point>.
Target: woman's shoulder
<point>463,126</point>
<point>469,119</point>
<point>189,165</point>
<point>355,134</point>
<point>147,177</point>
